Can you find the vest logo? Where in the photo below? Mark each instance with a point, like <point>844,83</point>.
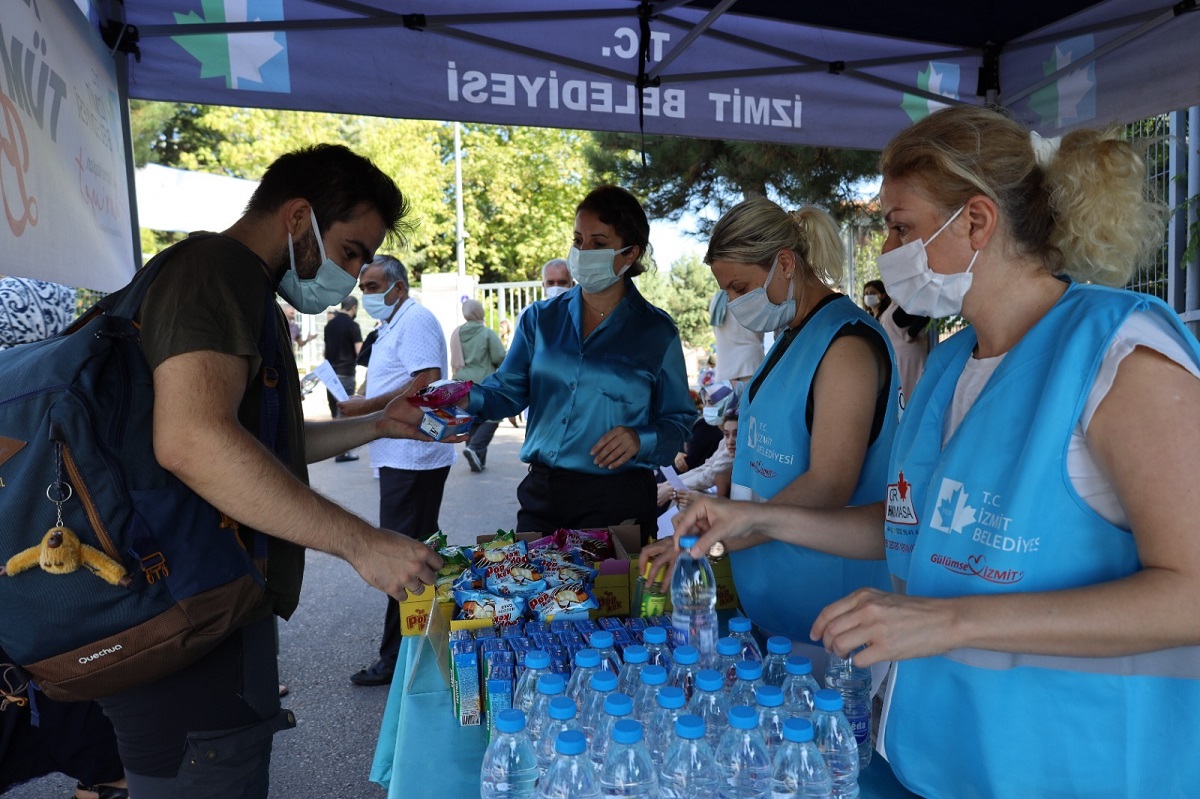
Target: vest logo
<point>952,512</point>
<point>762,470</point>
<point>752,433</point>
<point>976,566</point>
<point>900,508</point>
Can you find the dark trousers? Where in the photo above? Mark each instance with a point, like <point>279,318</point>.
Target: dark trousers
<point>409,500</point>
<point>554,498</point>
<point>481,436</point>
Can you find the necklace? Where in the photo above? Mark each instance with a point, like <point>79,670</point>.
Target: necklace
<point>597,310</point>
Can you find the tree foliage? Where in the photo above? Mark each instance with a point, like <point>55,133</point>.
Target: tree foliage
<point>683,291</point>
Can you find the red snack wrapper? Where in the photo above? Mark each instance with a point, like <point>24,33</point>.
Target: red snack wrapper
<point>441,393</point>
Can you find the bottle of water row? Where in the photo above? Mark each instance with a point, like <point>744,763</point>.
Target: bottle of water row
<point>799,687</point>
<point>660,728</point>
<point>602,642</point>
<point>637,657</point>
<point>560,716</point>
<point>571,775</point>
<point>770,715</point>
<point>854,684</point>
<point>729,652</point>
<point>749,678</point>
<point>617,706</point>
<point>628,770</point>
<point>688,771</point>
<point>645,699</point>
<point>743,762</point>
<point>509,768</point>
<point>799,770</point>
<point>537,665</point>
<point>601,685</point>
<point>655,641</point>
<point>739,628</point>
<point>694,601</point>
<point>711,703</point>
<point>687,666</point>
<point>548,687</point>
<point>587,663</point>
<point>775,663</point>
<point>836,742</point>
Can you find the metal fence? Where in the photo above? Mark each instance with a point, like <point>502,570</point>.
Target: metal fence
<point>1154,134</point>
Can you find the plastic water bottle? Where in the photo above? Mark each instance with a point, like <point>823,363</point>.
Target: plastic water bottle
<point>655,641</point>
<point>645,700</point>
<point>799,687</point>
<point>687,666</point>
<point>835,740</point>
<point>854,684</point>
<point>743,762</point>
<point>571,775</point>
<point>689,771</point>
<point>587,663</point>
<point>628,770</point>
<point>799,770</point>
<point>660,730</point>
<point>749,677</point>
<point>739,628</point>
<point>775,663</point>
<point>600,686</point>
<point>770,715</point>
<point>630,678</point>
<point>602,642</point>
<point>711,703</point>
<point>729,652</point>
<point>617,706</point>
<point>537,665</point>
<point>694,601</point>
<point>548,687</point>
<point>560,715</point>
<point>509,768</point>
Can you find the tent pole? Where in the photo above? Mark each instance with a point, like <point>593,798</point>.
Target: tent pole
<point>460,236</point>
<point>1192,269</point>
<point>112,14</point>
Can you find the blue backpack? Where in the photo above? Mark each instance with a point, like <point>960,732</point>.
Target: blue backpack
<point>114,573</point>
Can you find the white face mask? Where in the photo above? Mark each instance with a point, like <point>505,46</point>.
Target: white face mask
<point>871,300</point>
<point>555,291</point>
<point>376,306</point>
<point>329,286</point>
<point>593,269</point>
<point>915,287</point>
<point>755,311</point>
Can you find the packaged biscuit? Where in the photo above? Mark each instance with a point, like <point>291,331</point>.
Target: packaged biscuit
<point>482,605</point>
<point>569,601</point>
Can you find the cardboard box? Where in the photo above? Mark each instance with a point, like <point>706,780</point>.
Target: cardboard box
<point>414,612</point>
<point>439,423</point>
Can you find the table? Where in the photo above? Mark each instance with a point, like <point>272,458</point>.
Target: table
<point>423,753</point>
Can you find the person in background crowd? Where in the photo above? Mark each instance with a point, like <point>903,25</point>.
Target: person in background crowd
<point>475,352</point>
<point>298,339</point>
<point>556,278</point>
<point>739,350</point>
<point>722,400</point>
<point>909,334</point>
<point>607,391</point>
<point>343,340</point>
<point>1042,491</point>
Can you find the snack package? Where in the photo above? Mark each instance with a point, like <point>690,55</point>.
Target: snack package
<point>559,574</point>
<point>482,605</point>
<point>569,601</point>
<point>508,579</point>
<point>441,393</point>
<point>592,546</point>
<point>442,423</point>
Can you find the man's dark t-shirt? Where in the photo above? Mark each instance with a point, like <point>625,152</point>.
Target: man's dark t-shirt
<point>341,334</point>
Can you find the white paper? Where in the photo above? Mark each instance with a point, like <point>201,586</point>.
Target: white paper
<point>331,381</point>
<point>673,478</point>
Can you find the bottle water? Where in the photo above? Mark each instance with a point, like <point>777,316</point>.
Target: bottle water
<point>571,775</point>
<point>537,665</point>
<point>645,700</point>
<point>602,642</point>
<point>688,771</point>
<point>770,715</point>
<point>711,703</point>
<point>601,685</point>
<point>799,770</point>
<point>509,768</point>
<point>799,687</point>
<point>617,706</point>
<point>660,730</point>
<point>749,677</point>
<point>587,663</point>
<point>775,663</point>
<point>739,628</point>
<point>560,716</point>
<point>854,684</point>
<point>729,652</point>
<point>743,762</point>
<point>694,601</point>
<point>628,770</point>
<point>687,666</point>
<point>655,641</point>
<point>548,687</point>
<point>836,742</point>
<point>630,678</point>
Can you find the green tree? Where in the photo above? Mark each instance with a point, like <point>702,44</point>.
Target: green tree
<point>683,291</point>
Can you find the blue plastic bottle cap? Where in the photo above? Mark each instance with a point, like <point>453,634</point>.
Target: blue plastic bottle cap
<point>570,742</point>
<point>742,717</point>
<point>562,708</point>
<point>797,730</point>
<point>798,664</point>
<point>778,645</point>
<point>551,684</point>
<point>627,731</point>
<point>827,699</point>
<point>671,697</point>
<point>728,646</point>
<point>709,680</point>
<point>688,541</point>
<point>617,704</point>
<point>604,681</point>
<point>654,635</point>
<point>587,658</point>
<point>689,727</point>
<point>749,670</point>
<point>636,653</point>
<point>601,639</point>
<point>769,695</point>
<point>537,659</point>
<point>687,654</point>
<point>739,624</point>
<point>510,720</point>
<point>654,675</point>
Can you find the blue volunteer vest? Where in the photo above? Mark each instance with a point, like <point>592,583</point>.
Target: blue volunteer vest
<point>993,513</point>
<point>783,587</point>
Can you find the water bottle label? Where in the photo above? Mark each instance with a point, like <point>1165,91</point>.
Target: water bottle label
<point>861,725</point>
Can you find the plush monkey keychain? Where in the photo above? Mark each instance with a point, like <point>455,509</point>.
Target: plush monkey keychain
<point>61,552</point>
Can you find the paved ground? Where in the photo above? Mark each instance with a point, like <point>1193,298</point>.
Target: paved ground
<point>336,630</point>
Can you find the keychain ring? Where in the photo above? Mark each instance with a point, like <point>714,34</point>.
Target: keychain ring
<point>60,484</point>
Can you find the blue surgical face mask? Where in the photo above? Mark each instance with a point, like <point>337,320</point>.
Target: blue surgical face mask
<point>376,306</point>
<point>593,269</point>
<point>755,311</point>
<point>329,286</point>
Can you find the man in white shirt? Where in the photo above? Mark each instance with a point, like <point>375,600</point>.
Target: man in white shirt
<point>412,474</point>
